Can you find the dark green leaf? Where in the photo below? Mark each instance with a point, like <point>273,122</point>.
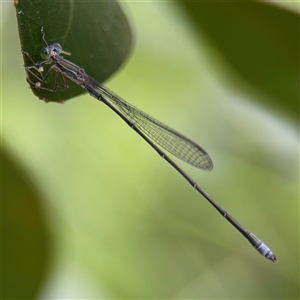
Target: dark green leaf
<point>24,233</point>
<point>96,33</point>
<point>259,41</point>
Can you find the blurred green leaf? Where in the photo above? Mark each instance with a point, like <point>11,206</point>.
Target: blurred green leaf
<point>24,234</point>
<point>96,33</point>
<point>259,41</point>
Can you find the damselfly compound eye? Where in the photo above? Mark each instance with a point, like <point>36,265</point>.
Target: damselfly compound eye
<point>56,48</point>
<point>45,53</point>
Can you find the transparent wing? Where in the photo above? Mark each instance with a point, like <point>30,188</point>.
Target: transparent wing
<point>166,137</point>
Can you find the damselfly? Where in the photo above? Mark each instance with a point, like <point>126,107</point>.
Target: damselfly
<point>151,130</point>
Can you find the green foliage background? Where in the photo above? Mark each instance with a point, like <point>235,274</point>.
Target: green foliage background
<point>90,211</point>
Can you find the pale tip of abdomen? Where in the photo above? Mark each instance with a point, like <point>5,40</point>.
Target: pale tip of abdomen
<point>272,257</point>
